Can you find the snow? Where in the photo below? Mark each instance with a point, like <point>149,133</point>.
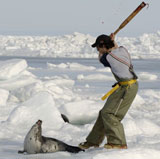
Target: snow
<point>4,96</point>
<point>44,88</point>
<point>11,68</point>
<point>94,77</point>
<point>13,74</point>
<point>34,109</point>
<point>147,76</point>
<point>76,45</point>
<point>73,66</point>
<point>81,106</point>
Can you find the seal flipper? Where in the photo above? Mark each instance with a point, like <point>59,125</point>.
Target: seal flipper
<point>72,149</point>
<point>21,151</point>
<point>64,117</point>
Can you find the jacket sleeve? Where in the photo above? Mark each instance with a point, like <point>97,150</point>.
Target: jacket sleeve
<point>103,60</point>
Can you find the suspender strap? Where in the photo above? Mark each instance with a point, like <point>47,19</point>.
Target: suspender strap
<point>126,63</point>
<point>120,60</point>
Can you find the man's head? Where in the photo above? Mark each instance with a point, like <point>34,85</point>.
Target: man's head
<point>104,43</point>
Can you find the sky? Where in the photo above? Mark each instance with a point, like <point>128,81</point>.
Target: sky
<point>60,17</point>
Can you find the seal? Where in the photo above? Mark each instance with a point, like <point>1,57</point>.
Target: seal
<point>34,142</point>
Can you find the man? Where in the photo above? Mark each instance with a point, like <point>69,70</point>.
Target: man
<point>110,116</point>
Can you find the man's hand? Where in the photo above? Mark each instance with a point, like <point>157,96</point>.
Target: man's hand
<point>112,36</point>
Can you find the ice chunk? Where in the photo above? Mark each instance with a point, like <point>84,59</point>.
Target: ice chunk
<point>40,106</point>
<point>81,112</point>
<point>147,76</point>
<point>3,96</point>
<point>11,68</point>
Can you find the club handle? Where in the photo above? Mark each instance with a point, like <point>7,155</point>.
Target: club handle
<point>130,17</point>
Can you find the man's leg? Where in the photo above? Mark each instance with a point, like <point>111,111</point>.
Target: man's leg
<point>129,97</point>
<point>113,113</point>
<point>97,133</point>
<point>108,123</point>
<point>113,127</point>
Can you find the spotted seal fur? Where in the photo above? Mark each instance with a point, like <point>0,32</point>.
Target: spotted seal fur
<point>36,143</point>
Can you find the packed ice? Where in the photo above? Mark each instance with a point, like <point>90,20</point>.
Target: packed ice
<point>31,90</point>
<point>76,45</point>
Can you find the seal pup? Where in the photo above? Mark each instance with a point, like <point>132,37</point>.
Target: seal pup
<point>36,143</point>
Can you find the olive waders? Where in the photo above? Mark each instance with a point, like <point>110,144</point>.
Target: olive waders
<point>110,116</point>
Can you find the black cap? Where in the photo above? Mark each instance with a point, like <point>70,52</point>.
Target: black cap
<point>102,39</point>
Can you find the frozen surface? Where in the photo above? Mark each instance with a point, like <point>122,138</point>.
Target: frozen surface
<point>11,68</point>
<point>4,96</point>
<point>43,88</point>
<point>76,45</point>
